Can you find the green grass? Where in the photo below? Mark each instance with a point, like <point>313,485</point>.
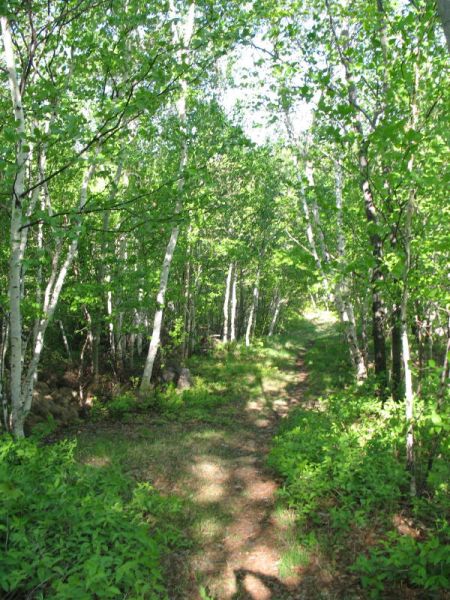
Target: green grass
<point>343,464</point>
<point>170,439</point>
<point>167,465</point>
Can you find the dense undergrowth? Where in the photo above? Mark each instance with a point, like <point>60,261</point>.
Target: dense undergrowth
<point>343,461</point>
<point>86,517</point>
<point>70,531</point>
<point>80,518</point>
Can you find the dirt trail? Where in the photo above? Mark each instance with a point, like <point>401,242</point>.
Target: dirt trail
<point>217,465</point>
<point>243,562</point>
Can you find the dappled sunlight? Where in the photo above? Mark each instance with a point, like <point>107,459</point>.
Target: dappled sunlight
<point>98,461</point>
<point>214,459</point>
<point>255,587</point>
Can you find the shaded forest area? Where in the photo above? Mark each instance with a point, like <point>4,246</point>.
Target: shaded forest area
<point>220,346</point>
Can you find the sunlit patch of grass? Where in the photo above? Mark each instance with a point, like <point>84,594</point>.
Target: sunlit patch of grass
<point>285,517</point>
<point>296,556</point>
<point>208,528</point>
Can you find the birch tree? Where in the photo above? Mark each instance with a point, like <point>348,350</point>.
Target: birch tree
<point>182,36</point>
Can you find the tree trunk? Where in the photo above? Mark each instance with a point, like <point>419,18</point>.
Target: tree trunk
<point>396,337</point>
<point>378,335</point>
<point>443,7</point>
<point>4,340</point>
<point>183,37</point>
<point>15,263</point>
<point>253,311</point>
<point>52,294</point>
<point>226,304</point>
<point>341,295</point>
<point>276,314</point>
<point>186,309</point>
<point>233,307</point>
<point>65,340</point>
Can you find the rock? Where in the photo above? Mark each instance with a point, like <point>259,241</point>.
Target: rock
<point>169,374</point>
<point>70,379</point>
<point>42,388</point>
<point>184,380</point>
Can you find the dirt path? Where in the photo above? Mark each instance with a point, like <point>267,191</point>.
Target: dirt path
<point>218,465</point>
<point>244,561</point>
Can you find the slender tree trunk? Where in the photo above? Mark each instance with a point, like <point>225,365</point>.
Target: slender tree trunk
<point>183,37</point>
<point>276,314</point>
<point>4,341</point>
<point>378,334</point>
<point>52,294</point>
<point>104,276</point>
<point>186,309</point>
<point>226,303</point>
<point>308,222</point>
<point>15,262</point>
<point>140,321</point>
<point>396,337</point>
<point>253,312</point>
<point>309,171</point>
<point>157,321</point>
<point>65,340</point>
<point>378,313</point>
<point>409,391</point>
<point>341,295</point>
<point>233,306</point>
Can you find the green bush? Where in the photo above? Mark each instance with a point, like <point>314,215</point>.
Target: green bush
<point>344,469</point>
<point>122,405</point>
<point>342,458</point>
<point>426,563</point>
<point>70,531</point>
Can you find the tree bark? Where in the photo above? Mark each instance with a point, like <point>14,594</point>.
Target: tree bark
<point>396,337</point>
<point>253,311</point>
<point>378,334</point>
<point>233,306</point>
<point>226,304</point>
<point>15,262</point>
<point>341,295</point>
<point>183,38</point>
<point>443,7</point>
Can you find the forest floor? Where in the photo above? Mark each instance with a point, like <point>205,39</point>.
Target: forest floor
<point>209,450</point>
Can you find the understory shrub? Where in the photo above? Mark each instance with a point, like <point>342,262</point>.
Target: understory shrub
<point>71,531</point>
<point>344,470</point>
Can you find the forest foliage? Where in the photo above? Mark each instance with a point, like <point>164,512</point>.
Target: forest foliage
<point>144,227</point>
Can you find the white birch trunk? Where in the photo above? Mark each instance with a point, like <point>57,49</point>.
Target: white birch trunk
<point>65,340</point>
<point>183,37</point>
<point>226,304</point>
<point>315,211</point>
<point>104,275</point>
<point>308,223</point>
<point>252,314</point>
<point>120,337</point>
<point>409,392</point>
<point>186,311</point>
<point>15,261</point>
<point>276,314</point>
<point>4,341</point>
<point>157,321</point>
<point>233,307</point>
<point>140,320</point>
